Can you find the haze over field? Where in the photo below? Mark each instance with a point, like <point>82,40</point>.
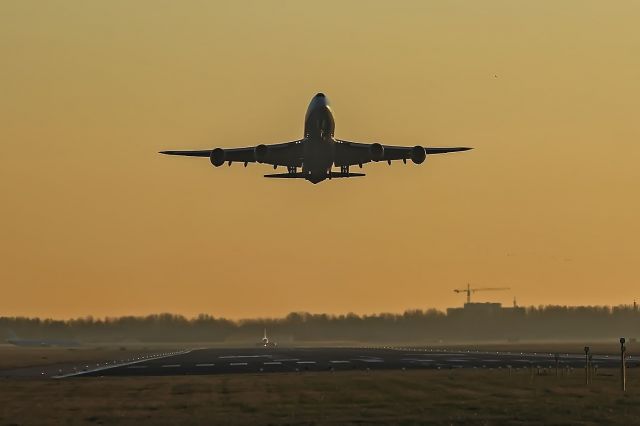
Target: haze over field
<point>94,221</point>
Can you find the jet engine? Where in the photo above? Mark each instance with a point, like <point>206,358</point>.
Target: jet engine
<point>377,151</point>
<point>261,152</point>
<point>418,154</point>
<point>217,157</point>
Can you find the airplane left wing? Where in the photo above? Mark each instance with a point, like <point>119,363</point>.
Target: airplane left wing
<point>282,154</point>
<point>351,153</point>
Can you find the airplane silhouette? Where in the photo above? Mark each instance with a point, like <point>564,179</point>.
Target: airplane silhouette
<point>318,151</point>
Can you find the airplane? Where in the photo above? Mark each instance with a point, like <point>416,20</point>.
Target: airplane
<point>265,341</point>
<point>318,151</point>
<point>17,341</point>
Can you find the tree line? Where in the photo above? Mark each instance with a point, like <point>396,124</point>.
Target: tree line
<point>417,326</point>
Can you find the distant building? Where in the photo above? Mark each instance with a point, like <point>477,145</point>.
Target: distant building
<point>484,310</point>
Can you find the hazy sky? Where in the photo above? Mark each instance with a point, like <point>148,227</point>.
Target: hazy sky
<point>94,221</point>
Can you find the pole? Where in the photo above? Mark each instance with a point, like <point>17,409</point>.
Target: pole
<point>623,372</point>
<point>586,365</point>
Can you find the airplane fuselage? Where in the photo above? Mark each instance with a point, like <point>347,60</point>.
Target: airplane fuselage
<point>318,142</point>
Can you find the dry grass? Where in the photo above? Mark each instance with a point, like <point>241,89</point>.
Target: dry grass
<point>376,397</point>
<point>16,357</point>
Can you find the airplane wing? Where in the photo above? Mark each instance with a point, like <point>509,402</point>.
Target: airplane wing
<point>282,154</point>
<point>351,153</point>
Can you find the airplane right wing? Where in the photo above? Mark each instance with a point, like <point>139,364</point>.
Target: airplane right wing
<point>351,153</point>
<point>282,154</point>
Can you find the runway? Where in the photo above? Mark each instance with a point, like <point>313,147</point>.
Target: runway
<point>280,360</point>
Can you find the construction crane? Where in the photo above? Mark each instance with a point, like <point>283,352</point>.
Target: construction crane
<point>470,290</point>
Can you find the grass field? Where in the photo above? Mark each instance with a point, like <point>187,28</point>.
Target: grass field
<point>375,397</point>
<point>17,357</point>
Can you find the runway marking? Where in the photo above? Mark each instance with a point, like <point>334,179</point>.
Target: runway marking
<point>340,362</point>
<point>238,363</point>
<point>137,366</point>
<point>288,360</point>
<point>205,365</point>
<point>244,356</point>
<point>370,360</point>
<point>272,363</point>
<point>305,362</point>
<point>417,360</point>
<point>123,364</point>
<point>171,366</point>
<point>456,360</point>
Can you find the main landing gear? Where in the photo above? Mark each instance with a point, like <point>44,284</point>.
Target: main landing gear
<point>344,170</point>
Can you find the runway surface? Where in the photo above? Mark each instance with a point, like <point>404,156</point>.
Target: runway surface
<point>278,360</point>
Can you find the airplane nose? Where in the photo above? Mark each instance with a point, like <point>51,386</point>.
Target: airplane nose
<point>320,95</point>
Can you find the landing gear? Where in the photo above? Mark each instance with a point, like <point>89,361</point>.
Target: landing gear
<point>344,170</point>
<point>292,170</point>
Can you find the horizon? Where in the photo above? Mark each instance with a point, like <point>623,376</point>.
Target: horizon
<point>336,315</point>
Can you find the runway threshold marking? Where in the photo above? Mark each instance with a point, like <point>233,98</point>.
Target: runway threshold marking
<point>305,362</point>
<point>340,362</point>
<point>238,363</point>
<point>272,363</point>
<point>205,365</point>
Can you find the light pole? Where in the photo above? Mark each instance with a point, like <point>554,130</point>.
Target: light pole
<point>586,365</point>
<point>623,370</point>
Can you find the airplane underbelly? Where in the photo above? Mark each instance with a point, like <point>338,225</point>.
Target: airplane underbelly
<point>318,156</point>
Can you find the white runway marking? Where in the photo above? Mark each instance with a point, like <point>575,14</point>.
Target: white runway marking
<point>171,366</point>
<point>205,365</point>
<point>137,366</point>
<point>305,362</point>
<point>286,360</point>
<point>272,363</point>
<point>123,364</point>
<point>368,360</point>
<point>340,362</point>
<point>244,356</point>
<point>238,363</point>
<point>417,360</point>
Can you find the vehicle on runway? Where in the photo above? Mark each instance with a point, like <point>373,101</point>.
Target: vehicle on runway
<point>318,151</point>
<point>265,342</point>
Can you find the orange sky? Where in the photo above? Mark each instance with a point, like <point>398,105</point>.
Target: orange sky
<point>94,221</point>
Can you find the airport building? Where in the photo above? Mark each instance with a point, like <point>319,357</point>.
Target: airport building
<point>484,310</point>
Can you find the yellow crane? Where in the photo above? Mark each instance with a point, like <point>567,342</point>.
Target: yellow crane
<point>470,290</point>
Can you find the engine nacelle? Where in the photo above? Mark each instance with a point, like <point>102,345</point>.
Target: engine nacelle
<point>377,151</point>
<point>418,154</point>
<point>217,157</point>
<point>261,152</point>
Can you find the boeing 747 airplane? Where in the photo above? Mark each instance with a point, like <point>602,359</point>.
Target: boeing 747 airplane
<point>318,151</point>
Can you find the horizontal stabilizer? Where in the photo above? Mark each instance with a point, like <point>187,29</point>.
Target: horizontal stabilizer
<point>304,175</point>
